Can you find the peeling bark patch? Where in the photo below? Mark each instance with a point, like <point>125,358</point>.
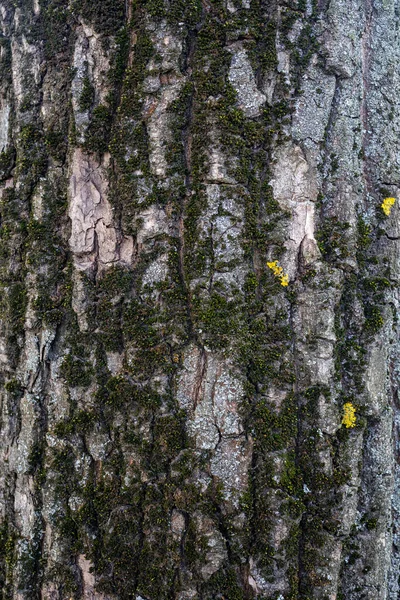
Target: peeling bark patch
<point>295,188</point>
<point>94,241</point>
<point>88,580</point>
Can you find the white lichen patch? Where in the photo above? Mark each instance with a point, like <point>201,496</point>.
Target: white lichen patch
<point>79,300</point>
<point>164,83</point>
<point>25,66</point>
<point>225,230</point>
<point>153,222</point>
<point>256,580</point>
<point>159,129</point>
<point>313,106</point>
<point>178,524</point>
<point>4,123</point>
<point>231,463</point>
<point>115,362</point>
<point>90,61</point>
<point>156,272</point>
<point>241,76</point>
<point>341,38</point>
<point>24,509</point>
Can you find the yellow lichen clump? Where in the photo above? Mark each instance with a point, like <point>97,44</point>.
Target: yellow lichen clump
<point>349,415</point>
<point>278,272</point>
<point>387,205</point>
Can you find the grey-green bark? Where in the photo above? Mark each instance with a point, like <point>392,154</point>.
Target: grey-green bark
<point>171,415</point>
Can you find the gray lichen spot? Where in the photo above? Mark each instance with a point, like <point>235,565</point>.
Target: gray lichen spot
<point>209,390</point>
<point>341,37</point>
<point>313,106</point>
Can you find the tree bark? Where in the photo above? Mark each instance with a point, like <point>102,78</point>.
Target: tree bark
<point>199,354</point>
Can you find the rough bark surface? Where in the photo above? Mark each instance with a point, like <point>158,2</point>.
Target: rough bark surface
<point>170,413</point>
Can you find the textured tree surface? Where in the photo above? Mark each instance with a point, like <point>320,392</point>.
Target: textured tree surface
<point>171,411</point>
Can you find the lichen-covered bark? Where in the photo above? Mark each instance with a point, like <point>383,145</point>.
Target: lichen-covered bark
<point>171,414</point>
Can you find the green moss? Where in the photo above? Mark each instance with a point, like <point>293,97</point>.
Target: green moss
<point>148,470</point>
<point>333,239</point>
<point>225,583</point>
<point>80,422</point>
<point>291,477</point>
<point>323,501</point>
<point>56,140</point>
<point>13,387</point>
<point>142,324</point>
<point>306,44</point>
<point>5,59</point>
<point>54,27</point>
<point>36,456</point>
<point>45,245</point>
<point>370,523</point>
<point>3,542</point>
<point>183,11</point>
<point>99,130</point>
<point>373,319</point>
<point>364,231</point>
<point>76,371</point>
<point>31,156</point>
<point>13,299</point>
<point>8,556</point>
<point>156,9</point>
<point>263,50</point>
<point>86,98</point>
<point>218,318</point>
<point>7,163</point>
<point>275,430</point>
<point>118,64</point>
<point>107,16</point>
<point>129,140</point>
<point>17,303</point>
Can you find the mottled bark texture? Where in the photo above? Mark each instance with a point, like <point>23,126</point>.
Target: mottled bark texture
<point>171,415</point>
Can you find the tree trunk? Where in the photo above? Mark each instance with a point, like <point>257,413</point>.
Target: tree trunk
<point>199,353</point>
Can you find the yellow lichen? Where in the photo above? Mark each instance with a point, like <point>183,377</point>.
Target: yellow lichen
<point>285,280</point>
<point>278,272</point>
<point>387,205</point>
<point>349,415</point>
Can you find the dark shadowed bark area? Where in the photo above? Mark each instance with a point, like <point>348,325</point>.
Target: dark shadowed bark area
<point>199,267</point>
